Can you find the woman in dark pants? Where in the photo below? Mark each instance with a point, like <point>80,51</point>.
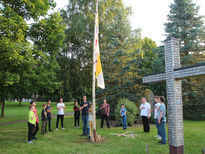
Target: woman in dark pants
<point>76,114</point>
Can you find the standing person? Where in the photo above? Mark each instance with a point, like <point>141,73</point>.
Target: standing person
<point>49,115</point>
<point>44,120</point>
<point>162,120</point>
<point>156,108</point>
<point>84,108</point>
<point>105,108</point>
<point>60,114</point>
<point>31,123</point>
<point>90,120</point>
<point>76,114</point>
<point>36,128</point>
<point>145,113</point>
<point>123,113</point>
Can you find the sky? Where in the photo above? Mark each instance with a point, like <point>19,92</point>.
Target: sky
<point>149,15</point>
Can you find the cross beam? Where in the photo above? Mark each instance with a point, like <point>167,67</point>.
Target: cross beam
<point>180,73</point>
<point>173,75</point>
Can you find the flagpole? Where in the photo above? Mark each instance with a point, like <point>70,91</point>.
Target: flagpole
<point>94,78</point>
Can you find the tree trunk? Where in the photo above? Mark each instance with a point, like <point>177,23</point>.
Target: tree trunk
<point>20,100</point>
<point>2,108</point>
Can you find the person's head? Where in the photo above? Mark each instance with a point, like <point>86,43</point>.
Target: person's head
<point>123,106</point>
<point>33,103</point>
<point>76,103</point>
<point>49,102</point>
<point>84,98</point>
<point>61,100</point>
<point>104,101</point>
<point>31,107</point>
<point>143,100</point>
<point>90,108</point>
<point>156,99</point>
<point>162,99</point>
<point>44,106</point>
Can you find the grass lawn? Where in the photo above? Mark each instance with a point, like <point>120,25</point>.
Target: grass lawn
<point>13,140</point>
<point>15,112</point>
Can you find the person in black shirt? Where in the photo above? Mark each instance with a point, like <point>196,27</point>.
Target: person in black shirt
<point>49,115</point>
<point>76,114</point>
<point>84,106</point>
<point>44,119</point>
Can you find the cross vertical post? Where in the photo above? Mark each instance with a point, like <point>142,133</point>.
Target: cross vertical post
<point>174,98</point>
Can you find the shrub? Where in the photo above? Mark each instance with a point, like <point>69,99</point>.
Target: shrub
<point>131,111</point>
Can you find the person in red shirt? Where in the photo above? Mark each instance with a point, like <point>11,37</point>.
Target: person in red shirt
<point>105,108</point>
<point>76,114</point>
<point>33,103</point>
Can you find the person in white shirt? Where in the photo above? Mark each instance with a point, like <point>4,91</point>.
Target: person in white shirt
<point>60,114</point>
<point>156,108</point>
<point>145,113</point>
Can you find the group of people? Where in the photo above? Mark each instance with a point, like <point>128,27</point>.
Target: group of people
<point>46,116</point>
<point>159,116</point>
<point>87,117</point>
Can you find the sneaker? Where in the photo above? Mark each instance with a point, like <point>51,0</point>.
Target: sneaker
<point>82,135</point>
<point>34,138</point>
<point>78,127</point>
<point>50,130</point>
<point>161,142</point>
<point>56,129</point>
<point>30,142</point>
<point>159,137</point>
<point>63,128</point>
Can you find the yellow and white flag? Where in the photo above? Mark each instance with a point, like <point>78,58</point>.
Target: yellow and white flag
<point>98,66</point>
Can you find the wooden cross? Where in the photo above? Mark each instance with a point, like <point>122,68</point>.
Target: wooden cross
<point>173,75</point>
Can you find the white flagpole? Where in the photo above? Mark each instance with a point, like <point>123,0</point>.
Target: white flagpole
<point>94,78</point>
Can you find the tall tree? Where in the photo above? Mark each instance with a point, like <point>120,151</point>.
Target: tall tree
<point>17,54</point>
<point>47,36</point>
<point>185,23</point>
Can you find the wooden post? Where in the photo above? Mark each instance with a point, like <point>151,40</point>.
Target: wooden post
<point>202,150</point>
<point>94,78</point>
<point>147,148</point>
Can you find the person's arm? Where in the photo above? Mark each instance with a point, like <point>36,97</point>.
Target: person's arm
<point>64,106</point>
<point>149,111</point>
<point>32,117</point>
<point>58,107</point>
<point>141,107</point>
<point>108,111</point>
<point>48,110</point>
<point>154,108</point>
<point>160,117</point>
<point>101,107</point>
<point>45,113</point>
<point>81,108</point>
<point>75,109</point>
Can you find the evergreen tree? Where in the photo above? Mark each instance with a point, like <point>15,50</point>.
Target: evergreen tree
<point>185,23</point>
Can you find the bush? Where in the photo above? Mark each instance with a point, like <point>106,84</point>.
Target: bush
<point>131,111</point>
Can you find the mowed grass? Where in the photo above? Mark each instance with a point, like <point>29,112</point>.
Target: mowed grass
<point>15,112</point>
<point>13,140</point>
